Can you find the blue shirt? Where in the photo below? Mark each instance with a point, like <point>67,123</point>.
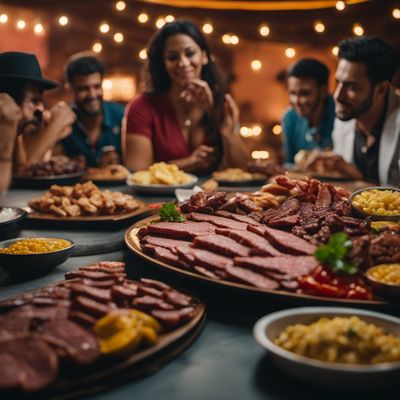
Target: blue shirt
<point>298,134</point>
<point>78,143</point>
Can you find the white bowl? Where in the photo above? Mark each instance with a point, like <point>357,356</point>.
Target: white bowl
<point>335,376</point>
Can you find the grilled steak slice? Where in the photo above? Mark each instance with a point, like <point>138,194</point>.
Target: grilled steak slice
<point>221,222</point>
<point>181,230</point>
<point>10,326</point>
<point>126,291</point>
<point>284,268</point>
<point>151,303</point>
<point>95,275</point>
<point>82,318</point>
<point>206,272</point>
<point>90,306</point>
<point>237,217</point>
<point>107,270</point>
<point>259,245</point>
<point>144,290</point>
<point>101,295</point>
<point>155,284</point>
<point>221,245</point>
<point>251,277</point>
<point>176,298</point>
<point>208,259</point>
<point>285,241</point>
<point>170,319</point>
<point>78,343</point>
<point>28,363</point>
<point>168,257</point>
<point>170,244</point>
<point>40,313</point>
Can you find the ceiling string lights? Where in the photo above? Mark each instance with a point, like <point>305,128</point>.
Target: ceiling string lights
<point>208,27</point>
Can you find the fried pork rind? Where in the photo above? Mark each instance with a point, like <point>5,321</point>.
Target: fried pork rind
<point>161,174</point>
<point>83,199</point>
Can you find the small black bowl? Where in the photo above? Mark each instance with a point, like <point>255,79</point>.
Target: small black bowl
<point>373,217</point>
<point>33,264</point>
<point>10,219</point>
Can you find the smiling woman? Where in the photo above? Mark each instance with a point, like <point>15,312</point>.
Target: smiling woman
<point>185,117</point>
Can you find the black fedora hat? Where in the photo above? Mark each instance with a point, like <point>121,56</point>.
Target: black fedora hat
<point>25,67</point>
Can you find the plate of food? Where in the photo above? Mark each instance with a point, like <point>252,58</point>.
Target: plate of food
<point>379,203</point>
<point>59,170</point>
<point>114,328</point>
<point>341,349</point>
<point>277,253</point>
<point>85,203</point>
<point>161,178</point>
<point>109,175</point>
<point>238,177</point>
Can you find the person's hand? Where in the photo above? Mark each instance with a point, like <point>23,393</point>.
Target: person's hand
<point>60,118</point>
<point>230,124</point>
<point>202,158</point>
<point>196,99</point>
<point>10,113</point>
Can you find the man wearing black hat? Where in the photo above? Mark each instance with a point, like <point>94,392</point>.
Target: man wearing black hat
<point>21,78</point>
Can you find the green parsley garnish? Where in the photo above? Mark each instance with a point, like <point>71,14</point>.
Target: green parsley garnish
<point>334,253</point>
<point>170,213</point>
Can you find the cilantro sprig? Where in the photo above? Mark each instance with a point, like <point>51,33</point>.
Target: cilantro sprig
<point>334,253</point>
<point>170,213</point>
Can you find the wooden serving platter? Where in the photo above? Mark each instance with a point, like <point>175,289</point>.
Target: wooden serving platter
<point>109,372</point>
<point>133,244</point>
<point>87,219</point>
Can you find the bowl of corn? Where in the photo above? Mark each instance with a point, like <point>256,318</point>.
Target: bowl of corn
<point>385,279</point>
<point>379,203</point>
<point>35,255</point>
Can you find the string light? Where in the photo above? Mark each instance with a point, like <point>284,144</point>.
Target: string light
<point>143,54</point>
<point>97,47</point>
<point>118,37</point>
<point>319,27</point>
<point>143,18</point>
<point>226,38</point>
<point>38,28</point>
<point>3,18</point>
<point>335,51</point>
<point>104,27</point>
<point>290,52</point>
<point>340,5</point>
<point>160,22</point>
<point>245,131</point>
<point>396,13</point>
<point>207,28</point>
<point>63,20</point>
<point>21,24</point>
<point>120,5</point>
<point>169,18</point>
<point>264,30</point>
<point>277,129</point>
<point>256,130</point>
<point>260,155</point>
<point>358,29</point>
<point>107,84</point>
<point>256,65</point>
<point>234,40</point>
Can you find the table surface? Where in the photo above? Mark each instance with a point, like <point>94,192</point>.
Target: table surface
<point>224,362</point>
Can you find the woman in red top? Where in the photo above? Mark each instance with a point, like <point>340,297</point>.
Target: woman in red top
<point>184,117</point>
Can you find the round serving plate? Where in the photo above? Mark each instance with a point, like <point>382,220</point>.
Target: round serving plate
<point>133,244</point>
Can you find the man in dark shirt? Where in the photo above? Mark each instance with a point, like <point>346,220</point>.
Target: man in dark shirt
<point>98,125</point>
